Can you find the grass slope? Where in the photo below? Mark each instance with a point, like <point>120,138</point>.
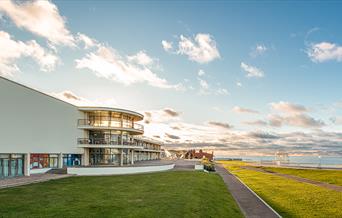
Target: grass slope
<point>167,194</point>
<point>288,197</point>
<point>328,176</point>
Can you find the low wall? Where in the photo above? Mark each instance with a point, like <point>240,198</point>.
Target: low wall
<point>88,171</point>
<point>199,167</point>
<point>41,170</point>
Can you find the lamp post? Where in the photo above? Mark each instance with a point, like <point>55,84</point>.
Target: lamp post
<point>319,164</point>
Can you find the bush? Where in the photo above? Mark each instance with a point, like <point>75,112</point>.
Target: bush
<point>208,165</point>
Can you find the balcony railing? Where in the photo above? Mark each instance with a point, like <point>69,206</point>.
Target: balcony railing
<point>116,123</point>
<point>83,141</point>
<point>89,141</point>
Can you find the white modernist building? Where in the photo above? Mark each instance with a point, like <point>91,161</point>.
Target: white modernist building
<point>40,132</point>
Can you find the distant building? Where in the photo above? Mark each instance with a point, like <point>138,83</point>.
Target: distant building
<point>175,154</point>
<point>281,158</point>
<point>192,154</point>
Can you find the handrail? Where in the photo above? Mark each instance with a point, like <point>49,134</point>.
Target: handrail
<point>110,123</point>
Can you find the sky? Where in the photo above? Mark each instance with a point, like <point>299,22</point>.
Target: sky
<point>233,77</point>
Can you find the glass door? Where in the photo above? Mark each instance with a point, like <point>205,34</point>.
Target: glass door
<point>13,167</point>
<point>1,169</point>
<point>5,165</point>
<point>20,167</point>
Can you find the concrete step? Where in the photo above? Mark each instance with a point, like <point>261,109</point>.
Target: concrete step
<point>57,171</point>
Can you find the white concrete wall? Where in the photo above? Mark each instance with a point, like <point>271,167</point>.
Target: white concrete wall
<point>32,122</point>
<point>91,171</point>
<point>38,171</point>
<point>199,167</point>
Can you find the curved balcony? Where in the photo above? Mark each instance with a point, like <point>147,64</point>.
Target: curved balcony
<point>135,115</point>
<point>88,142</point>
<point>114,124</point>
<point>101,142</point>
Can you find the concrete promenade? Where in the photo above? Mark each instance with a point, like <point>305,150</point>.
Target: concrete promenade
<point>250,204</point>
<point>25,180</point>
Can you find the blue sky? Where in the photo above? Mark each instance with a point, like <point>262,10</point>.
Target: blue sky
<point>270,72</point>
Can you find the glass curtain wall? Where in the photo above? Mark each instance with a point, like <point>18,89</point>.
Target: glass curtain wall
<point>104,156</point>
<point>110,137</point>
<point>110,119</point>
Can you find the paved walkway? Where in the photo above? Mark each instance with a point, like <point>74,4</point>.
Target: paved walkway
<point>299,179</point>
<point>25,180</point>
<point>183,164</point>
<point>250,204</point>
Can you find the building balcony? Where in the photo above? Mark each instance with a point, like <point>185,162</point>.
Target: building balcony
<point>97,143</point>
<point>111,124</point>
<point>93,143</point>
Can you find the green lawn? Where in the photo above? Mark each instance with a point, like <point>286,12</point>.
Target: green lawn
<point>328,176</point>
<point>288,197</point>
<point>167,194</point>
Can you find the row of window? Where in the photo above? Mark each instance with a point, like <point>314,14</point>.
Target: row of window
<point>114,137</point>
<point>38,161</point>
<point>111,156</point>
<point>13,164</point>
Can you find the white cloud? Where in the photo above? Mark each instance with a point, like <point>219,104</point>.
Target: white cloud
<point>86,40</point>
<point>292,115</point>
<point>206,89</point>
<point>167,46</point>
<point>336,120</point>
<point>141,58</point>
<point>204,86</point>
<point>297,120</point>
<point>251,71</point>
<point>220,124</point>
<point>201,73</point>
<point>41,18</point>
<point>222,91</point>
<point>161,115</point>
<point>239,84</point>
<point>325,51</point>
<point>107,63</point>
<point>171,128</point>
<point>201,49</point>
<point>256,123</point>
<point>74,99</point>
<point>12,50</point>
<point>238,109</point>
<point>222,139</point>
<point>259,49</point>
<point>287,107</point>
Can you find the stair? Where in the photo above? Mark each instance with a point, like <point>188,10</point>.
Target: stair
<point>57,171</point>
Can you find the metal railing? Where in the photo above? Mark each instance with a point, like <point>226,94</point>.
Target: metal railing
<point>101,141</point>
<point>89,141</point>
<point>116,123</point>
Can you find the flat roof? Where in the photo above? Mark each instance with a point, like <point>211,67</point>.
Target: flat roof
<point>137,116</point>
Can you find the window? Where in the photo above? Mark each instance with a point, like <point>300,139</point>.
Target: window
<point>11,165</point>
<point>38,161</point>
<point>72,159</point>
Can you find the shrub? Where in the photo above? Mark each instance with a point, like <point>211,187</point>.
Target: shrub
<point>208,165</point>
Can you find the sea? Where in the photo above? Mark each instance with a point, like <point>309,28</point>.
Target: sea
<point>300,161</point>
